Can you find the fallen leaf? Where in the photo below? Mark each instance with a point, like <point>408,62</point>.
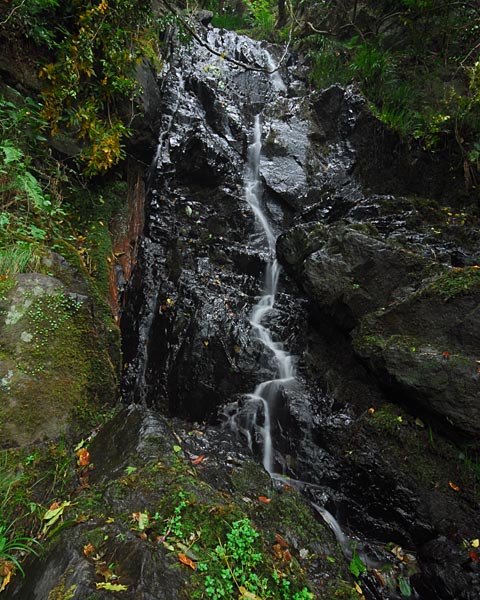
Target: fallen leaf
<point>287,557</point>
<point>102,569</point>
<point>264,499</point>
<point>52,515</point>
<point>277,550</point>
<point>7,575</point>
<point>303,553</point>
<point>475,543</point>
<point>88,549</point>
<point>83,457</point>
<point>142,519</point>
<point>198,460</point>
<point>246,595</point>
<point>112,587</point>
<point>143,535</point>
<point>473,555</point>
<point>281,541</point>
<point>371,411</point>
<point>358,588</point>
<point>177,449</point>
<point>186,561</point>
<point>379,576</point>
<point>453,486</point>
<point>446,354</point>
<point>419,422</point>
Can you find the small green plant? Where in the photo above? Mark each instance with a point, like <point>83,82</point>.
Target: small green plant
<point>174,524</point>
<point>357,566</point>
<point>14,545</point>
<point>234,568</point>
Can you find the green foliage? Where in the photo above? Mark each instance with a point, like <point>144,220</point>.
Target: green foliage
<point>90,87</point>
<point>229,21</point>
<point>327,59</point>
<point>417,63</point>
<point>229,552</point>
<point>12,543</point>
<point>456,282</point>
<point>357,566</point>
<point>262,15</point>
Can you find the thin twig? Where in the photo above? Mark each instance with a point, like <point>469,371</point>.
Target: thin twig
<point>15,8</point>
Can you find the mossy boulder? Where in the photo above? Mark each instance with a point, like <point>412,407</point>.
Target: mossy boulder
<point>152,505</point>
<point>56,370</point>
<point>414,321</point>
<point>428,347</point>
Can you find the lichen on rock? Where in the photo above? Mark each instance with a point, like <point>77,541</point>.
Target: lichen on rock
<point>55,369</point>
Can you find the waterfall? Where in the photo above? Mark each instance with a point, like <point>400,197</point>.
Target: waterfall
<point>261,403</point>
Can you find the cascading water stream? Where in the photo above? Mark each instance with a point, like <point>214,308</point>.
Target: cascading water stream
<point>265,393</point>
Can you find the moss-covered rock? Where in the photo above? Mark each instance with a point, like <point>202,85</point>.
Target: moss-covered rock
<point>56,371</point>
<point>148,511</point>
<point>427,345</point>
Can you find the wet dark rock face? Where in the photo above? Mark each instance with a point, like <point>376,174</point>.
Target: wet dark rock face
<point>379,303</point>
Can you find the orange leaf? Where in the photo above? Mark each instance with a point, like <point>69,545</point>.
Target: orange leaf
<point>287,557</point>
<point>88,549</point>
<point>446,354</point>
<point>54,506</point>
<point>281,541</point>
<point>6,579</point>
<point>264,499</point>
<point>473,555</point>
<point>186,561</point>
<point>83,457</point>
<point>278,551</point>
<point>198,460</point>
<point>453,486</point>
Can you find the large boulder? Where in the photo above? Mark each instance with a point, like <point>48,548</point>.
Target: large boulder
<point>56,370</point>
<point>414,321</point>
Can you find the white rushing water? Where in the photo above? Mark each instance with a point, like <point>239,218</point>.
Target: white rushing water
<point>265,394</point>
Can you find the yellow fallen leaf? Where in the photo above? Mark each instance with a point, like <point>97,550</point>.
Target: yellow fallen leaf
<point>358,588</point>
<point>6,580</point>
<point>112,587</point>
<point>475,543</point>
<point>246,595</point>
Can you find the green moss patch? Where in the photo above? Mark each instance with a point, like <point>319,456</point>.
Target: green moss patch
<point>56,372</point>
